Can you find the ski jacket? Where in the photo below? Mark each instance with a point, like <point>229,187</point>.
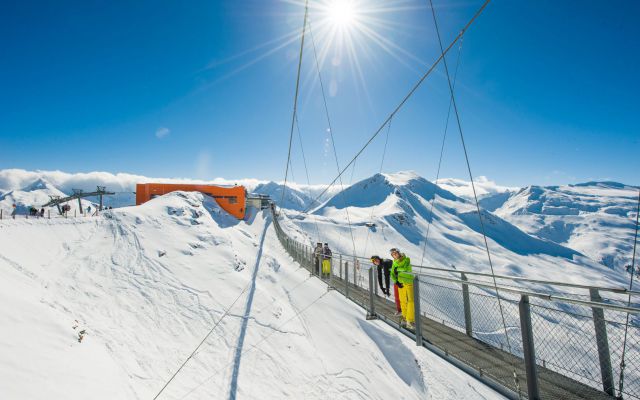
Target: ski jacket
<point>326,253</point>
<point>401,270</point>
<point>385,265</point>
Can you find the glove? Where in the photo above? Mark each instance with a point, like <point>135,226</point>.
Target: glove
<point>399,285</point>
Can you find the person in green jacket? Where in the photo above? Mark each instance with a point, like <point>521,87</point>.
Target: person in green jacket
<point>402,276</point>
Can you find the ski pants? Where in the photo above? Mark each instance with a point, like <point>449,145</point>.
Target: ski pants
<point>406,302</point>
<point>326,266</point>
<point>396,296</point>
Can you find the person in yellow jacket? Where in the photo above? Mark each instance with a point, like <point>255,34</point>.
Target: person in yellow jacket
<point>402,276</point>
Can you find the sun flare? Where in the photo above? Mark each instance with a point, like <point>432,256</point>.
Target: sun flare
<point>341,13</point>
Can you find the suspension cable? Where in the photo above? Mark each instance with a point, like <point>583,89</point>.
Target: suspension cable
<point>304,160</point>
<point>295,100</point>
<point>408,95</point>
<point>626,325</point>
<point>475,196</point>
<point>444,138</point>
<point>333,142</point>
<point>384,152</point>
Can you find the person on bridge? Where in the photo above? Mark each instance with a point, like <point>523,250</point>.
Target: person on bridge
<point>326,260</point>
<point>402,276</point>
<point>317,258</point>
<point>383,267</point>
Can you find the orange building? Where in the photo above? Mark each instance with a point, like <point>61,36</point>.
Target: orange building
<point>231,199</point>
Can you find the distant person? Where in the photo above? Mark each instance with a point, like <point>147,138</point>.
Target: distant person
<point>402,276</point>
<point>326,260</point>
<point>42,212</point>
<point>14,210</point>
<point>317,258</point>
<point>89,210</point>
<point>384,268</point>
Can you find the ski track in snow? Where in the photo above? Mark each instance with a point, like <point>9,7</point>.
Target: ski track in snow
<point>148,282</point>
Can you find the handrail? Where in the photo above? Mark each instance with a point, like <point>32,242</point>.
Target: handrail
<point>619,290</point>
<point>544,296</point>
<point>511,289</point>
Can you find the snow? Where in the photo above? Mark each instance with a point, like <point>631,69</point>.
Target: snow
<point>400,207</point>
<point>147,283</point>
<point>483,185</point>
<point>124,185</point>
<point>594,218</point>
<point>35,194</point>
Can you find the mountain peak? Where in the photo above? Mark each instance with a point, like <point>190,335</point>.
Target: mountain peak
<point>401,178</point>
<point>38,184</point>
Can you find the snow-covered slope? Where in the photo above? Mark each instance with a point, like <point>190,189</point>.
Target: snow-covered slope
<point>400,207</point>
<point>147,283</point>
<point>35,194</point>
<point>594,218</point>
<point>124,185</point>
<point>294,199</point>
<point>462,188</point>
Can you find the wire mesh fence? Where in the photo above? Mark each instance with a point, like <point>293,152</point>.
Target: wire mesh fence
<point>576,353</point>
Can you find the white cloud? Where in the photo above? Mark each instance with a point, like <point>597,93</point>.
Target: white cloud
<point>463,188</point>
<point>162,132</point>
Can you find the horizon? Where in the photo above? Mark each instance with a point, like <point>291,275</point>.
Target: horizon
<point>206,91</point>
<point>23,178</point>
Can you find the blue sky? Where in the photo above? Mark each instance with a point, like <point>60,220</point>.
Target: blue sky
<point>547,90</point>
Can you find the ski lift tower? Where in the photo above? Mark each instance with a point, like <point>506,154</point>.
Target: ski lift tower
<point>78,194</point>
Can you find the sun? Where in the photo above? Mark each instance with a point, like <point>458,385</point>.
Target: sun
<point>341,13</point>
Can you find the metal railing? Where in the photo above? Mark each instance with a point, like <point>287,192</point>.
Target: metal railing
<point>7,214</point>
<point>563,343</point>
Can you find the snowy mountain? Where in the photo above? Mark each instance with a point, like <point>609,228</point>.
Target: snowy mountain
<point>147,283</point>
<point>124,185</point>
<point>484,187</point>
<point>594,218</point>
<point>294,199</point>
<point>34,194</point>
<point>399,205</point>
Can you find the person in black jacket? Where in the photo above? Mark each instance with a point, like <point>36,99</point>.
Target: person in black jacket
<point>383,266</point>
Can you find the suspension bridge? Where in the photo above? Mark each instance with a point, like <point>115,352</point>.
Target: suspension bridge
<point>558,341</point>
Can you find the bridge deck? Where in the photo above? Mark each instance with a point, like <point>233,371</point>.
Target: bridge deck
<point>497,364</point>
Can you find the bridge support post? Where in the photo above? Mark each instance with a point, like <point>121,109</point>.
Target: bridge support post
<point>371,313</point>
<point>346,278</point>
<point>529,349</point>
<point>417,312</point>
<point>355,272</point>
<point>467,306</point>
<point>603,344</point>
